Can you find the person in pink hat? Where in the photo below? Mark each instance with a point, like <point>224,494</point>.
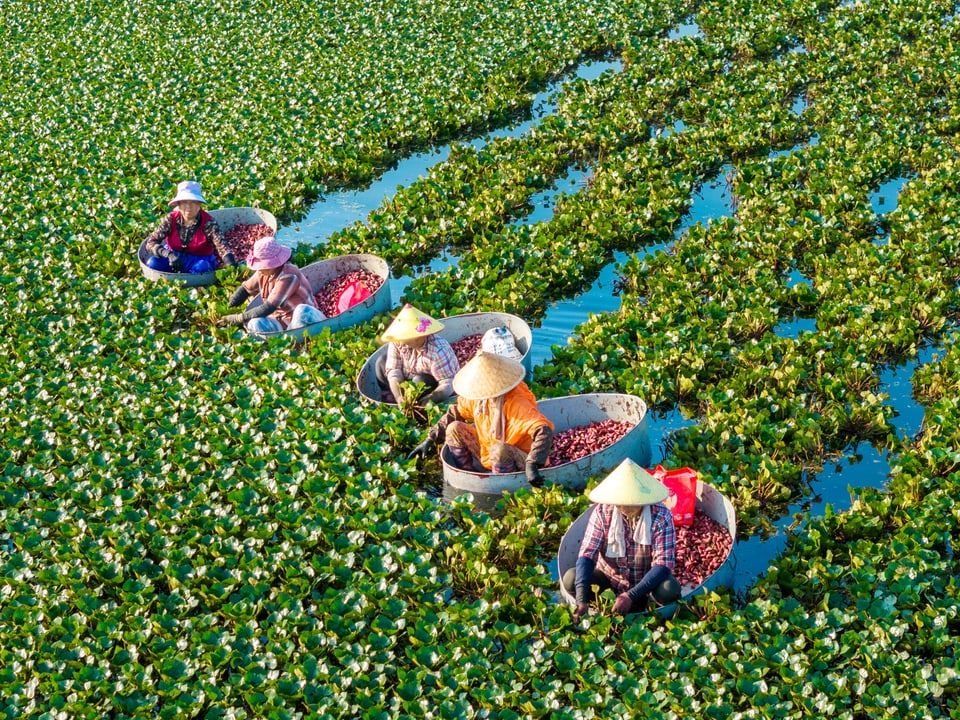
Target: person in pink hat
<point>288,301</point>
<point>188,239</point>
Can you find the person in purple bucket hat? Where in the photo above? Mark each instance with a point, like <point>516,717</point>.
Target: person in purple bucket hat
<point>288,300</point>
<point>188,239</point>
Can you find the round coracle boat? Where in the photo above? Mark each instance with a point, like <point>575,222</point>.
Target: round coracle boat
<point>319,274</point>
<point>566,413</point>
<point>455,328</point>
<point>226,218</point>
<point>710,502</point>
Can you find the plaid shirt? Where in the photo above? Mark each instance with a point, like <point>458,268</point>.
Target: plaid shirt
<point>436,357</point>
<point>629,570</point>
<point>158,238</point>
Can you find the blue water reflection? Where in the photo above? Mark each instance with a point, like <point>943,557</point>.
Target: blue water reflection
<point>343,209</point>
<point>793,327</point>
<point>886,197</point>
<point>712,200</point>
<point>562,318</point>
<point>684,30</point>
<point>837,485</point>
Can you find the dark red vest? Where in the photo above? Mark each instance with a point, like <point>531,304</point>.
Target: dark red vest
<point>199,244</point>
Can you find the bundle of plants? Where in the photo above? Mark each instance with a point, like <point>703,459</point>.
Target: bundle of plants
<point>241,237</point>
<point>346,291</point>
<point>702,548</point>
<point>582,440</point>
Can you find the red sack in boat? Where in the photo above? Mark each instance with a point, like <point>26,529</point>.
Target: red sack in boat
<point>352,294</point>
<point>682,484</point>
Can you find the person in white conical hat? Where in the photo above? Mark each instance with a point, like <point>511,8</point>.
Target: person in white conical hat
<point>629,544</point>
<point>416,353</point>
<point>495,424</point>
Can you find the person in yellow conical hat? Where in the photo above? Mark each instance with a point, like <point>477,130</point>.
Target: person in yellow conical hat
<point>416,353</point>
<point>629,544</point>
<point>508,433</point>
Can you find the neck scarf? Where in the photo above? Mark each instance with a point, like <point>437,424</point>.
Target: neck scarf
<point>616,533</point>
<point>494,407</point>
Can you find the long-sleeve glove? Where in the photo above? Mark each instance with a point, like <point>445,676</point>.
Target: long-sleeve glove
<point>232,319</point>
<point>533,475</point>
<point>585,567</point>
<point>239,295</point>
<point>421,450</point>
<point>653,577</point>
<point>540,447</point>
<point>229,260</point>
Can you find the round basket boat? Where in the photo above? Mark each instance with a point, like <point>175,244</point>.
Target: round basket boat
<point>226,218</point>
<point>565,413</point>
<point>710,501</point>
<point>455,327</point>
<point>320,273</point>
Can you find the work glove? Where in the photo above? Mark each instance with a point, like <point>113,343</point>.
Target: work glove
<point>229,260</point>
<point>421,450</point>
<point>232,319</point>
<point>533,475</point>
<point>582,609</point>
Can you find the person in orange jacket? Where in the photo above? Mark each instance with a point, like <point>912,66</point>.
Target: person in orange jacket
<point>495,424</point>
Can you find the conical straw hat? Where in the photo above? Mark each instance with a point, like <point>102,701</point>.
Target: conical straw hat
<point>410,323</point>
<point>629,484</point>
<point>487,375</point>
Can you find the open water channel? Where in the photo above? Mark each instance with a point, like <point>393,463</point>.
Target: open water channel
<point>838,483</point>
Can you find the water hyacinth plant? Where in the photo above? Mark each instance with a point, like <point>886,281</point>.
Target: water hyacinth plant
<point>194,525</point>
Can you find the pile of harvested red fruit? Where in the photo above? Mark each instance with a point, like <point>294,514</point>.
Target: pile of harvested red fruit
<point>701,549</point>
<point>582,440</point>
<point>466,347</point>
<point>241,237</point>
<point>328,297</point>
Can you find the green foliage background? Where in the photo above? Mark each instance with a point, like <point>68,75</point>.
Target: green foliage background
<point>198,526</point>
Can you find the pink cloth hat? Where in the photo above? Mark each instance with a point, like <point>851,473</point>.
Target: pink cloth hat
<point>267,254</point>
<point>188,190</point>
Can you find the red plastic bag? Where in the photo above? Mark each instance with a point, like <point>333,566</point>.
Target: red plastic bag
<point>352,294</point>
<point>682,484</point>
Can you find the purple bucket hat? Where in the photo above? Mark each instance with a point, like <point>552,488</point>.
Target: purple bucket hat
<point>267,254</point>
